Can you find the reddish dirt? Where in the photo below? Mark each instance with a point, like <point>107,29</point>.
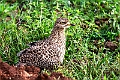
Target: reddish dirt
<point>11,1</point>
<point>101,21</point>
<point>112,46</point>
<point>118,39</point>
<point>8,72</point>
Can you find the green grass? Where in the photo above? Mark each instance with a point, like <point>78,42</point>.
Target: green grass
<point>25,21</point>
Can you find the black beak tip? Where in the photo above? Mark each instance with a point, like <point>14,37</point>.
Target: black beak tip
<point>72,24</point>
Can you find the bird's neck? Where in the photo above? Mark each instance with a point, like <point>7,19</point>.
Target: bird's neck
<point>58,35</point>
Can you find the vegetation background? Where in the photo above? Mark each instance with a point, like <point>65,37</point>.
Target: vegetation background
<point>93,44</point>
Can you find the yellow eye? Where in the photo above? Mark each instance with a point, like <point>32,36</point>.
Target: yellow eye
<point>62,22</point>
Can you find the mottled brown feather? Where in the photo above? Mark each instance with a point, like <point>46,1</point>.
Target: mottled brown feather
<point>47,53</point>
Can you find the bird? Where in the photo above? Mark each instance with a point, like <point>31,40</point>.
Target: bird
<point>48,53</point>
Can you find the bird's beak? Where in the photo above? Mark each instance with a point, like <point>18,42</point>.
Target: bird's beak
<point>72,25</point>
<point>69,24</point>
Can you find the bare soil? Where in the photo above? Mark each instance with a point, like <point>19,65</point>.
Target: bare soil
<point>8,72</point>
<point>112,46</point>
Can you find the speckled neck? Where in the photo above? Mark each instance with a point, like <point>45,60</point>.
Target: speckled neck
<point>58,35</point>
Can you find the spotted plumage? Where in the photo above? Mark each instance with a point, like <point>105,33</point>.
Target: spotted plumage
<point>47,53</point>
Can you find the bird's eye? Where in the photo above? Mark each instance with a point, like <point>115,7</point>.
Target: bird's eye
<point>63,22</point>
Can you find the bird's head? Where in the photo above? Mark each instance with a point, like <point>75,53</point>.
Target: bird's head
<point>62,23</point>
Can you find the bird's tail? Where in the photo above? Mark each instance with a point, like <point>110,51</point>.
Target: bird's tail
<point>18,54</point>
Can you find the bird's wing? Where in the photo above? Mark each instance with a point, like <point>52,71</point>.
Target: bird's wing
<point>28,50</point>
<point>34,43</point>
<point>32,48</point>
<point>21,52</point>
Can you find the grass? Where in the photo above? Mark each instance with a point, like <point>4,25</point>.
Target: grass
<point>24,21</point>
